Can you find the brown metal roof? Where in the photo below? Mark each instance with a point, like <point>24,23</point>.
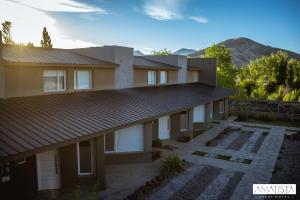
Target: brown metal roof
<point>200,63</point>
<point>142,62</point>
<point>38,55</point>
<point>39,122</point>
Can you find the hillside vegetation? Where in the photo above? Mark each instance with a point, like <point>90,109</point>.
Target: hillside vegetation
<point>273,77</point>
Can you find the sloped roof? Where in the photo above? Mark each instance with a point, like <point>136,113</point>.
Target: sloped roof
<point>42,56</point>
<point>31,124</point>
<point>143,62</point>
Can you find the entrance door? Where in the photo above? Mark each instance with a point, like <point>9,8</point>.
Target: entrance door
<point>48,170</point>
<point>164,127</point>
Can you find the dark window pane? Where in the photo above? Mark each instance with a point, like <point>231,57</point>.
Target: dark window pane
<point>85,157</point>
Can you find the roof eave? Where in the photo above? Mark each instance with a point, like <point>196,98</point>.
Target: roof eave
<point>8,63</point>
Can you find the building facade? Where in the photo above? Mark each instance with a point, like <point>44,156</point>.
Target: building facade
<point>65,114</point>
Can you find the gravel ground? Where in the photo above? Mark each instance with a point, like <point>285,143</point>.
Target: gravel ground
<point>238,143</point>
<point>194,187</point>
<point>230,186</point>
<point>287,170</point>
<point>258,143</point>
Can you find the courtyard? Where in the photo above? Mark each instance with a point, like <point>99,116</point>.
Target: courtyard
<point>224,162</point>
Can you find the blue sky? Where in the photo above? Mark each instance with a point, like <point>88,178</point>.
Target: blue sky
<point>155,24</point>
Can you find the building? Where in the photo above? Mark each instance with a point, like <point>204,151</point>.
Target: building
<point>65,113</point>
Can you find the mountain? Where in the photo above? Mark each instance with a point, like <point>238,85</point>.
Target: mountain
<point>244,49</point>
<point>137,53</point>
<point>184,52</point>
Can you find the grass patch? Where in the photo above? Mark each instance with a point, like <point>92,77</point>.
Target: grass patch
<point>223,157</point>
<point>199,153</point>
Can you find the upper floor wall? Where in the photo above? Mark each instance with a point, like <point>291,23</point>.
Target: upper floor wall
<point>150,77</point>
<point>123,56</point>
<point>28,71</point>
<point>17,80</point>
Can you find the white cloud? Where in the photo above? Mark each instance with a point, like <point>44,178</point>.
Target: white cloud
<point>60,6</point>
<point>28,19</point>
<point>163,9</point>
<point>199,19</point>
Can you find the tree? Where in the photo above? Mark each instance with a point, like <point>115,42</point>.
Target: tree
<point>163,52</point>
<point>275,77</point>
<point>30,44</point>
<point>6,26</point>
<point>46,41</point>
<point>226,72</point>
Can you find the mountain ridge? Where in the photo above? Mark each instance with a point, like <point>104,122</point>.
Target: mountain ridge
<point>243,50</point>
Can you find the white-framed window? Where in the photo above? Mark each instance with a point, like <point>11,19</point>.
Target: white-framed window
<point>151,77</point>
<point>163,77</point>
<point>221,106</point>
<point>184,121</point>
<point>195,76</point>
<point>82,79</point>
<point>110,142</point>
<point>54,80</point>
<point>85,162</point>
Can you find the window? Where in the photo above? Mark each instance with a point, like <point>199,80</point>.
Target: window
<point>163,77</point>
<point>151,77</point>
<point>221,106</point>
<point>85,158</point>
<point>195,76</point>
<point>54,80</point>
<point>109,140</point>
<point>82,79</point>
<point>183,121</point>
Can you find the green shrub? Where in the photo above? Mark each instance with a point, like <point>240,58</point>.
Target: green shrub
<point>184,139</point>
<point>157,143</point>
<point>172,165</point>
<point>292,95</point>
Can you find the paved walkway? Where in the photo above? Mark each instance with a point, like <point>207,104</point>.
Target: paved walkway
<point>213,178</point>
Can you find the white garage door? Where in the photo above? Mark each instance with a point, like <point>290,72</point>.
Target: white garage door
<point>48,170</point>
<point>199,113</point>
<point>164,127</point>
<point>130,139</point>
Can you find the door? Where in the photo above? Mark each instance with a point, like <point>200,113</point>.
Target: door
<point>48,171</point>
<point>199,114</point>
<point>130,139</point>
<point>164,127</point>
